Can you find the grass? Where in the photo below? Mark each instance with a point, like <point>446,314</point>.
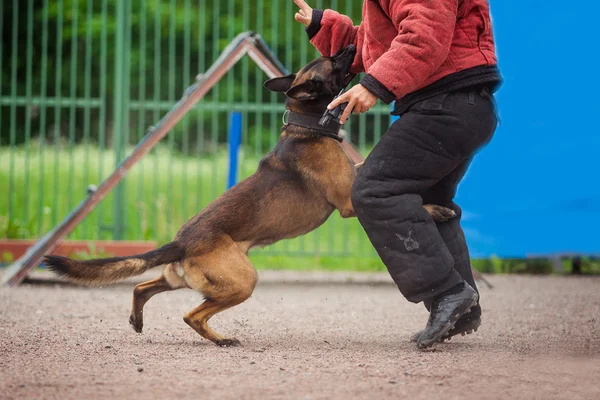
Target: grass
<point>44,183</point>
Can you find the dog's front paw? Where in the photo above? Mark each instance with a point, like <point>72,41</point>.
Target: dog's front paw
<point>439,213</point>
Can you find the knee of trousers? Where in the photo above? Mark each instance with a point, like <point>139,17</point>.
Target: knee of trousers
<point>369,193</point>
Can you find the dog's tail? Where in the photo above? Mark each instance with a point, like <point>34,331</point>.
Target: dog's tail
<point>106,271</point>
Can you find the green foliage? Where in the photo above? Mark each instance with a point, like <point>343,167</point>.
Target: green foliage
<point>534,266</point>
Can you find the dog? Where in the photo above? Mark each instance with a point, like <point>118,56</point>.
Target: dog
<point>296,187</point>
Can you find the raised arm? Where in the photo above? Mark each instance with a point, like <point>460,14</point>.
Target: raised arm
<point>329,31</point>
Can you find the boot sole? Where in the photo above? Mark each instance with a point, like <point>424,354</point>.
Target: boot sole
<point>472,326</point>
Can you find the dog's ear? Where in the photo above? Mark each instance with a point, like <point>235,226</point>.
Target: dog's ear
<point>308,90</point>
<point>281,84</point>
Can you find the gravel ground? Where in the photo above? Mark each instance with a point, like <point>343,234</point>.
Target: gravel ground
<point>540,339</point>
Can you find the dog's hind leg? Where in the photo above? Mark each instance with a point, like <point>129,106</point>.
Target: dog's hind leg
<point>143,292</point>
<point>226,278</point>
<point>198,320</point>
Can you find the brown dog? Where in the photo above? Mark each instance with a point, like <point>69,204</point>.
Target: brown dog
<point>294,190</point>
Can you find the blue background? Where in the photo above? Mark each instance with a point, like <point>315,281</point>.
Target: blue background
<point>535,189</point>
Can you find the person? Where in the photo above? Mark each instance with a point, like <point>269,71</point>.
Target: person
<point>436,61</point>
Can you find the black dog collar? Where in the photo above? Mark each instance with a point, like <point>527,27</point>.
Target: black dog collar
<point>312,122</point>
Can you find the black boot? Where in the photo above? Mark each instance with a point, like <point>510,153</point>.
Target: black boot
<point>446,310</point>
<point>465,325</point>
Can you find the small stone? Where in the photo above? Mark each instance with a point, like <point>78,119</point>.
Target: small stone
<point>439,383</point>
<point>281,369</point>
<point>21,385</point>
<point>140,369</point>
<point>252,362</point>
<point>108,346</point>
<point>392,382</point>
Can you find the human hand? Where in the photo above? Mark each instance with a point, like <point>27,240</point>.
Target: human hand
<point>304,16</point>
<point>359,100</point>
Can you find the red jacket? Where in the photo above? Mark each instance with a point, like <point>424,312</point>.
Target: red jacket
<point>406,45</point>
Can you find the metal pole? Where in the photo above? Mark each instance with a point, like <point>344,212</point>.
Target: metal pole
<point>234,139</point>
<point>118,112</point>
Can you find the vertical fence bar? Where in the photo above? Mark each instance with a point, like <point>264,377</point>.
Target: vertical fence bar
<point>331,225</point>
<point>317,234</point>
<point>273,96</point>
<point>288,63</point>
<point>258,87</point>
<point>360,133</point>
<point>245,76</point>
<point>171,97</point>
<point>103,97</point>
<point>202,26</point>
<point>72,100</point>
<point>127,93</point>
<point>235,123</point>
<point>345,222</point>
<point>118,112</point>
<point>303,61</point>
<point>13,111</point>
<point>304,50</point>
<point>156,115</point>
<point>28,107</point>
<point>186,126</point>
<point>215,117</point>
<point>57,109</point>
<point>87,94</point>
<point>141,126</point>
<point>230,36</point>
<point>42,133</point>
<point>289,50</point>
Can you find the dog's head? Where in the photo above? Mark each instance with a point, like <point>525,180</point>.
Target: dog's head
<point>318,81</point>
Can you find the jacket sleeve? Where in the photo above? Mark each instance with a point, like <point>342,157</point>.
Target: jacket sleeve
<point>330,31</point>
<point>425,31</point>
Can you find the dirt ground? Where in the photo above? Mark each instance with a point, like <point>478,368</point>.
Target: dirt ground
<point>540,339</point>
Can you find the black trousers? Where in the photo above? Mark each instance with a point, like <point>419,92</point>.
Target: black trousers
<point>420,160</point>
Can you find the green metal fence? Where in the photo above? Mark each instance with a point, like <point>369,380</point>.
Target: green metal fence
<point>80,82</point>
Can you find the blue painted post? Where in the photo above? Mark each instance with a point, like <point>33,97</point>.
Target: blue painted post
<point>234,140</point>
